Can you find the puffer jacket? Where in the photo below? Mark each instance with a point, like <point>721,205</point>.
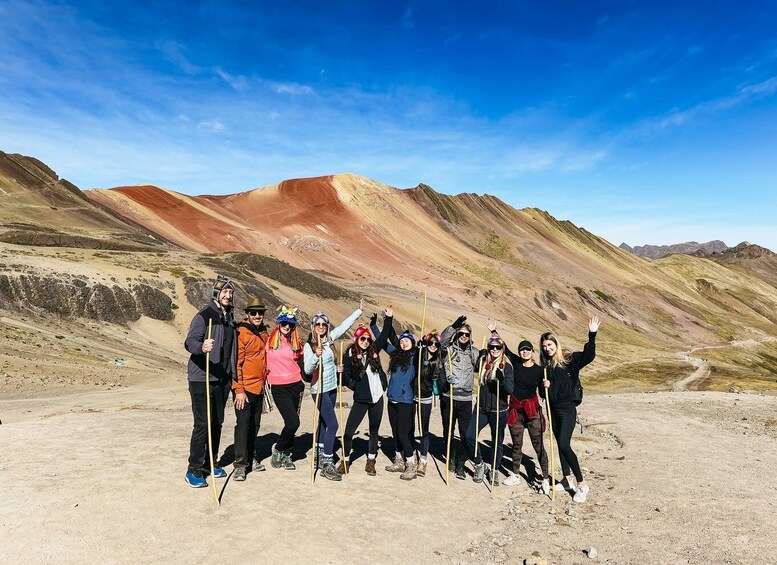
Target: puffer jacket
<point>459,364</point>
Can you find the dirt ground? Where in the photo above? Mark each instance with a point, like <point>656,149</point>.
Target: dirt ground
<point>98,476</point>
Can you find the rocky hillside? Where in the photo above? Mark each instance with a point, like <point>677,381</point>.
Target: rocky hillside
<point>688,248</point>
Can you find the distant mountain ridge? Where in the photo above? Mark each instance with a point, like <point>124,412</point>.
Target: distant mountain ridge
<point>688,248</point>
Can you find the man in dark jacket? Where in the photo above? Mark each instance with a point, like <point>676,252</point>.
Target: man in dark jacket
<point>222,348</point>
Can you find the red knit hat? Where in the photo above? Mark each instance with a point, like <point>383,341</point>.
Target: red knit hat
<point>360,331</point>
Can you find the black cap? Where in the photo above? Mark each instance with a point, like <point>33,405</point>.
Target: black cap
<point>525,344</point>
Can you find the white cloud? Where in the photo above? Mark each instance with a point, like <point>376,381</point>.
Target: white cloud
<point>211,125</point>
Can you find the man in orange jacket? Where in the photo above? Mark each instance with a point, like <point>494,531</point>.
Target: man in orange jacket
<point>248,385</point>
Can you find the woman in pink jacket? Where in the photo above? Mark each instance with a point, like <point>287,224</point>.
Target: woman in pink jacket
<point>284,351</point>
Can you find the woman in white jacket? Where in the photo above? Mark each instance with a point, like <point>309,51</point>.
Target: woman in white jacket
<point>320,349</point>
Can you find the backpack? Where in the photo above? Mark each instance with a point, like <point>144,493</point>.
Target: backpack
<point>577,390</point>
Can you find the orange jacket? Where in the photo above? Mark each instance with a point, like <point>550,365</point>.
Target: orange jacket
<point>251,359</point>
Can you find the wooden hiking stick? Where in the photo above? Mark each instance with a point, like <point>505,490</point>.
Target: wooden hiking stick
<point>477,400</point>
<point>210,434</point>
<point>340,401</point>
<point>496,437</point>
<point>550,425</point>
<point>450,426</point>
<point>418,378</point>
<point>316,412</point>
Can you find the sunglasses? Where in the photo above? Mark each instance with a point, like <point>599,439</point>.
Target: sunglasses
<point>322,324</point>
<point>286,325</point>
<point>462,334</point>
<point>433,344</point>
<point>256,313</point>
<point>365,338</point>
<point>495,348</point>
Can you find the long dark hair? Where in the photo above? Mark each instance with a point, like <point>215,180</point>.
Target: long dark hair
<point>400,359</point>
<point>356,354</point>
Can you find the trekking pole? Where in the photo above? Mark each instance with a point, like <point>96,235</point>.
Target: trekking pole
<point>496,437</point>
<point>316,413</point>
<point>340,401</point>
<point>550,425</point>
<point>418,378</point>
<point>210,434</point>
<point>450,426</point>
<point>477,399</point>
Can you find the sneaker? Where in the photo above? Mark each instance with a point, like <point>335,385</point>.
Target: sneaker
<point>288,464</point>
<point>564,485</point>
<point>581,493</point>
<point>258,467</point>
<point>369,468</point>
<point>513,480</point>
<point>422,469</point>
<point>480,470</point>
<point>545,487</point>
<point>398,466</point>
<point>277,459</point>
<point>493,477</point>
<point>342,467</point>
<point>461,473</point>
<point>239,474</point>
<point>195,481</point>
<point>219,473</point>
<point>410,472</point>
<point>329,472</point>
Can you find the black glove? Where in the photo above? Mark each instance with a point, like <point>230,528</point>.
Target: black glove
<point>459,322</point>
<point>373,319</point>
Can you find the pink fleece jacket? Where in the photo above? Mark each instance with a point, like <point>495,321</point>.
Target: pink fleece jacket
<point>282,367</point>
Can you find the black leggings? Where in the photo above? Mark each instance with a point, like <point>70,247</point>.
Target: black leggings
<point>401,420</point>
<point>462,412</point>
<point>426,414</point>
<point>288,399</point>
<point>355,418</point>
<point>563,425</point>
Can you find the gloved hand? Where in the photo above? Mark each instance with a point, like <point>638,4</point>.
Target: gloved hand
<point>374,319</point>
<point>459,322</point>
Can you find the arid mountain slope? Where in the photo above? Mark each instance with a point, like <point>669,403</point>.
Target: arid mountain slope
<point>690,247</point>
<point>39,208</point>
<point>751,259</point>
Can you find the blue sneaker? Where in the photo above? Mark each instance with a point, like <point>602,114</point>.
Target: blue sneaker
<point>194,481</point>
<point>219,473</point>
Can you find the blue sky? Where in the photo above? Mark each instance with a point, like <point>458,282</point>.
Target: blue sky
<point>642,121</point>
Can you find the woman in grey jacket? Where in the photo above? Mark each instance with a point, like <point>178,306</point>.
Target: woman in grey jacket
<point>459,361</point>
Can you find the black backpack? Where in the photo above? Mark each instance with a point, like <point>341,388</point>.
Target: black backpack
<point>577,390</point>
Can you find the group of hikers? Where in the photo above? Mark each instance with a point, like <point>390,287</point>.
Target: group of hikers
<point>247,359</point>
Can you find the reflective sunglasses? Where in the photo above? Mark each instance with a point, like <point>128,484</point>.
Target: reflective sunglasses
<point>365,338</point>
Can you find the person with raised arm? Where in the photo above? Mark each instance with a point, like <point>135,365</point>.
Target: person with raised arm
<point>563,389</point>
<point>459,363</point>
<point>320,349</point>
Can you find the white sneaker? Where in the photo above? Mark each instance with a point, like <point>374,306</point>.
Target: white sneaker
<point>580,494</point>
<point>545,487</point>
<point>512,481</point>
<point>563,485</point>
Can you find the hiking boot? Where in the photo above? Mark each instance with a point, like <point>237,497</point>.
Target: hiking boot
<point>239,474</point>
<point>288,464</point>
<point>219,473</point>
<point>277,459</point>
<point>342,467</point>
<point>410,472</point>
<point>460,473</point>
<point>580,493</point>
<point>480,470</point>
<point>329,472</point>
<point>369,468</point>
<point>545,487</point>
<point>422,469</point>
<point>512,481</point>
<point>398,466</point>
<point>194,480</point>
